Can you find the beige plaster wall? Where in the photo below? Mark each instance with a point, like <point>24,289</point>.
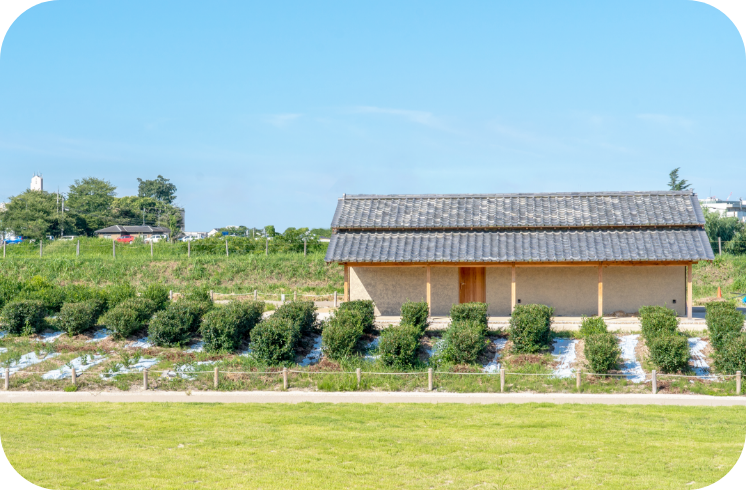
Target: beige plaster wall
<point>628,288</point>
<point>498,281</point>
<point>571,291</point>
<point>389,287</point>
<point>444,289</point>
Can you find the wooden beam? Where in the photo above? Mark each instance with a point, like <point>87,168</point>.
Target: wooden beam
<point>515,264</point>
<point>347,283</point>
<point>689,291</point>
<point>512,288</point>
<point>600,290</point>
<point>429,293</point>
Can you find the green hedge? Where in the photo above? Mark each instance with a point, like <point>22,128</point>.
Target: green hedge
<point>75,318</point>
<point>464,342</point>
<point>341,334</point>
<point>24,317</point>
<point>398,346</point>
<point>366,308</point>
<point>723,319</point>
<point>657,321</point>
<point>476,312</point>
<point>669,353</point>
<point>158,294</point>
<point>223,329</point>
<point>301,313</point>
<point>115,294</point>
<point>196,294</point>
<point>592,325</point>
<point>415,314</point>
<point>274,340</point>
<point>731,356</point>
<point>602,352</point>
<point>128,317</point>
<point>530,328</point>
<point>177,324</point>
<point>9,289</point>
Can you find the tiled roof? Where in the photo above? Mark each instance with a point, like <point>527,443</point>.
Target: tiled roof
<point>573,210</point>
<point>593,245</point>
<point>133,229</point>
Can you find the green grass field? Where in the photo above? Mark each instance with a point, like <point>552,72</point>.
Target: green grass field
<point>206,446</point>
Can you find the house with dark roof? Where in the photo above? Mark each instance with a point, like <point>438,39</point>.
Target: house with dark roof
<point>117,231</point>
<point>581,253</point>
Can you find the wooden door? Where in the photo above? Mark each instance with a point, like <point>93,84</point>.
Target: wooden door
<point>472,285</point>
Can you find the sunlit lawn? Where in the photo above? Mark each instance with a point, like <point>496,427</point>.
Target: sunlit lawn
<point>323,446</point>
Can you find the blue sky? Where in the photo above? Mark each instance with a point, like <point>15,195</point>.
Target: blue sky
<point>266,112</point>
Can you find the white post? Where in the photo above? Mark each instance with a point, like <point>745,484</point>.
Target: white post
<point>144,379</point>
<point>226,246</point>
<point>77,249</point>
<point>41,248</point>
<point>295,295</point>
<point>189,249</point>
<point>655,383</point>
<point>114,247</point>
<point>304,247</point>
<point>502,380</point>
<point>215,378</point>
<point>285,378</point>
<point>359,375</point>
<point>7,379</point>
<point>255,294</point>
<point>151,247</point>
<point>170,294</point>
<point>3,248</point>
<point>266,246</point>
<point>577,380</point>
<point>335,299</point>
<point>282,297</point>
<point>738,382</point>
<point>720,247</point>
<point>74,376</point>
<point>430,379</point>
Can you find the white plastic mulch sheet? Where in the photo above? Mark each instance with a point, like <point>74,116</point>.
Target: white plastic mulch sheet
<point>631,367</point>
<point>699,362</point>
<point>197,347</point>
<point>184,370</point>
<point>138,367</point>
<point>100,335</point>
<point>25,361</point>
<point>3,349</point>
<point>494,366</point>
<point>3,333</point>
<point>140,344</point>
<point>49,337</point>
<point>372,346</point>
<point>315,355</point>
<point>80,364</point>
<point>563,351</point>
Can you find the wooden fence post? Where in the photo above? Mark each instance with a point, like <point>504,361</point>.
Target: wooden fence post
<point>144,379</point>
<point>655,382</point>
<point>170,294</point>
<point>215,378</point>
<point>7,379</point>
<point>266,247</point>
<point>285,378</point>
<point>304,248</point>
<point>738,382</point>
<point>226,246</point>
<point>430,379</point>
<point>41,249</point>
<point>77,249</point>
<point>295,295</point>
<point>359,375</point>
<point>212,296</point>
<point>151,248</point>
<point>114,247</point>
<point>189,249</point>
<point>502,380</point>
<point>74,376</point>
<point>335,299</point>
<point>577,380</point>
<point>720,247</point>
<point>255,294</point>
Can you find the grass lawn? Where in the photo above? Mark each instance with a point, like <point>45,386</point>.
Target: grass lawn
<point>205,446</point>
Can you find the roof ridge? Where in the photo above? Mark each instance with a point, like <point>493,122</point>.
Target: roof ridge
<point>520,194</point>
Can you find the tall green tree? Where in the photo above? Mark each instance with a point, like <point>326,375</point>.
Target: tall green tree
<point>676,184</point>
<point>160,189</point>
<point>92,198</point>
<point>36,214</point>
<point>722,227</point>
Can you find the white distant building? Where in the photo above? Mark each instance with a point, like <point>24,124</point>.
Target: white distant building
<point>726,209</point>
<point>37,183</point>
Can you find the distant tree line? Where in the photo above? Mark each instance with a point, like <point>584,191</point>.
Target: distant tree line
<point>90,204</point>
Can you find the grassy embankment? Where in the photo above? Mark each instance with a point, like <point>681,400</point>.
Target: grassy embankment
<point>370,446</point>
<point>727,271</point>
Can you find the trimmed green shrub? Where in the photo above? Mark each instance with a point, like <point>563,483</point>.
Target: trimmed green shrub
<point>398,346</point>
<point>592,325</point>
<point>301,313</point>
<point>657,321</point>
<point>223,329</point>
<point>723,319</point>
<point>52,297</point>
<point>115,294</point>
<point>670,353</point>
<point>464,342</point>
<point>602,352</point>
<point>156,293</point>
<point>9,289</point>
<point>24,317</point>
<point>366,308</point>
<point>274,340</point>
<point>415,314</point>
<point>342,333</point>
<point>196,294</point>
<point>75,318</point>
<point>128,317</point>
<point>531,328</point>
<point>177,324</point>
<point>476,312</point>
<point>731,356</point>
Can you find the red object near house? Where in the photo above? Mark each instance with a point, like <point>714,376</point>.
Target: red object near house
<point>126,239</point>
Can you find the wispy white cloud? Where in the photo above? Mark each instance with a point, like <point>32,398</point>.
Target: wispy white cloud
<point>667,121</point>
<point>418,117</point>
<point>282,120</point>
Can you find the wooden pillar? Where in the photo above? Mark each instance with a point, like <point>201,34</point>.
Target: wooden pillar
<point>600,289</point>
<point>689,291</point>
<point>347,283</point>
<point>512,288</point>
<point>429,291</point>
